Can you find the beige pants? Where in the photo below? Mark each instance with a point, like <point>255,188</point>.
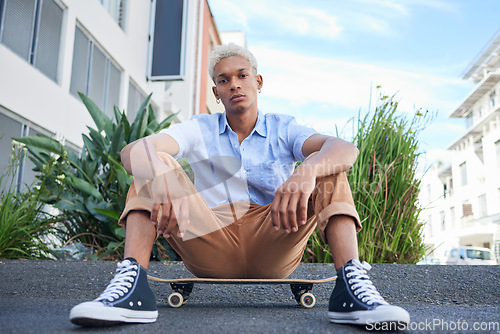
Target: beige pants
<point>218,245</point>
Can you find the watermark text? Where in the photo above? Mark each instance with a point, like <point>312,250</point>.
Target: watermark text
<point>436,325</point>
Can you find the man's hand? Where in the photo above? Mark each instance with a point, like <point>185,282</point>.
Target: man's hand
<point>290,201</point>
<point>169,195</point>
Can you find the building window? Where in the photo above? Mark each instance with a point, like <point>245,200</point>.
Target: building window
<point>135,99</point>
<point>168,41</point>
<point>478,149</point>
<point>32,30</point>
<point>94,74</point>
<point>467,209</point>
<point>483,212</point>
<point>497,149</point>
<point>10,128</point>
<point>493,98</point>
<point>442,217</point>
<point>452,217</point>
<point>469,120</point>
<point>463,173</point>
<point>115,8</point>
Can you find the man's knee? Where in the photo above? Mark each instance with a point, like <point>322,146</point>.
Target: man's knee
<point>137,216</point>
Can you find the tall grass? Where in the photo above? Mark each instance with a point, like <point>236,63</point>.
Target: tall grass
<point>385,187</point>
<point>385,184</point>
<point>24,225</point>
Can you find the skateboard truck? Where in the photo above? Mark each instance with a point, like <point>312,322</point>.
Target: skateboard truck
<point>302,294</point>
<point>180,294</point>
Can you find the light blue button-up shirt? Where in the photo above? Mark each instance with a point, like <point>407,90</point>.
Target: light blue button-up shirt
<point>227,171</point>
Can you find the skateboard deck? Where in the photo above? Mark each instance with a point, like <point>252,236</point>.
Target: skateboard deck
<point>182,287</point>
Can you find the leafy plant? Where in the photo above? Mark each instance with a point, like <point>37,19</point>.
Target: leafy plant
<point>24,226</point>
<point>385,188</point>
<point>90,190</point>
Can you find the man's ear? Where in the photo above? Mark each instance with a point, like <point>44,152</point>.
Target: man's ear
<point>216,93</point>
<point>260,81</point>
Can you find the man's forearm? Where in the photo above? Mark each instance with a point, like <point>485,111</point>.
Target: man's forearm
<point>335,156</point>
<point>140,159</point>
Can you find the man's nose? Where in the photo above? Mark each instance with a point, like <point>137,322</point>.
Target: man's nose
<point>235,84</point>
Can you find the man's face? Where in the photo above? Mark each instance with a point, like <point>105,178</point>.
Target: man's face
<point>236,84</point>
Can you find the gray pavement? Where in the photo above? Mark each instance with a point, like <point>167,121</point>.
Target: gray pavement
<point>36,297</point>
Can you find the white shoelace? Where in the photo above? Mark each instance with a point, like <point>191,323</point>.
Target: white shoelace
<point>121,283</point>
<point>361,285</point>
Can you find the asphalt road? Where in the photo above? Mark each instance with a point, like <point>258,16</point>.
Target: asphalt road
<point>36,297</point>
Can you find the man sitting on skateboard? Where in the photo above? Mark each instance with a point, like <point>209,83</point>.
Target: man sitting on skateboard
<point>249,213</point>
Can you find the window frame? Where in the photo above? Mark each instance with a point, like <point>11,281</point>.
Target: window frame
<point>26,126</point>
<point>497,152</point>
<point>463,173</point>
<point>125,5</point>
<point>35,37</point>
<point>183,44</point>
<point>483,205</point>
<point>92,42</point>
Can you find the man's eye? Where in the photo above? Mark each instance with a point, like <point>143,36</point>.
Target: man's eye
<point>244,75</point>
<point>222,81</point>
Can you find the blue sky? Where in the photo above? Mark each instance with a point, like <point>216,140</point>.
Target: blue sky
<point>319,58</point>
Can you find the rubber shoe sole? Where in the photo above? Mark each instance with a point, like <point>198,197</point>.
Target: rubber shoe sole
<point>97,314</point>
<point>382,313</point>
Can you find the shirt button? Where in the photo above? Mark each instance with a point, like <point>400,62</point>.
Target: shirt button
<point>244,171</point>
<point>235,146</point>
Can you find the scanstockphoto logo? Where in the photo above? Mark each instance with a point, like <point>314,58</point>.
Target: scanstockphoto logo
<point>437,325</point>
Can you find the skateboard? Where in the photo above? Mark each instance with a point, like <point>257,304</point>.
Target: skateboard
<point>182,287</point>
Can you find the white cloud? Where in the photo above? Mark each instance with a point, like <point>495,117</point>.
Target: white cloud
<point>332,124</point>
<point>232,12</point>
<point>296,19</point>
<point>436,155</point>
<point>308,21</point>
<point>323,19</point>
<point>398,7</point>
<point>441,133</point>
<point>304,79</point>
<point>442,5</point>
<point>339,90</point>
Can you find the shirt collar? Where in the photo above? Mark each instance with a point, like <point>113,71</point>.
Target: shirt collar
<point>223,125</point>
<point>260,126</point>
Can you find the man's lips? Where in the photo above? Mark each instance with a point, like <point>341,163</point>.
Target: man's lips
<point>237,97</point>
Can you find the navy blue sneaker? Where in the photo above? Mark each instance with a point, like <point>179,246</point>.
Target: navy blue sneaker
<point>128,298</point>
<point>355,300</point>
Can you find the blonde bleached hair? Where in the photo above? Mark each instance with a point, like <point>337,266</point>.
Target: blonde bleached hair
<point>228,50</point>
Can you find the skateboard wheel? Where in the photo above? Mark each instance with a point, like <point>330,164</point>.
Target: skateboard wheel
<point>307,300</point>
<point>175,299</point>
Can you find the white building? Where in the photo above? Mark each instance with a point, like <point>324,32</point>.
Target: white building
<point>463,198</point>
<point>52,49</point>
